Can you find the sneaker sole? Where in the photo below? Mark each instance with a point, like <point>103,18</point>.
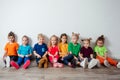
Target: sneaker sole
<point>92,64</point>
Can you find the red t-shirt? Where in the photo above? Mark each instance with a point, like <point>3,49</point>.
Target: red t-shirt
<point>53,50</point>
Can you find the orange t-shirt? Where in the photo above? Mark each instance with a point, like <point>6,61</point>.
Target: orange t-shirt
<point>11,49</point>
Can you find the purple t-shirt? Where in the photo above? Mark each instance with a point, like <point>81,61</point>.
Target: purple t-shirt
<point>86,52</point>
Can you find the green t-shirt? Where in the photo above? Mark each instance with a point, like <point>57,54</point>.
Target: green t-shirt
<point>100,50</point>
<point>74,48</point>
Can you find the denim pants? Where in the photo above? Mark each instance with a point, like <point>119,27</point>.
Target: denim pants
<point>22,60</point>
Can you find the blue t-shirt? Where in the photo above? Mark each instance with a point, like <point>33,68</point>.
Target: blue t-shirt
<point>24,50</point>
<point>40,49</point>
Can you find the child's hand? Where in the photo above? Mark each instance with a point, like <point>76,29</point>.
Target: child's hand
<point>26,55</point>
<point>4,57</point>
<point>75,58</point>
<point>38,56</point>
<point>21,56</point>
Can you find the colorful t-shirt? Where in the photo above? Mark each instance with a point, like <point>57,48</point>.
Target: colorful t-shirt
<point>40,49</point>
<point>53,50</point>
<point>24,50</point>
<point>100,50</point>
<point>11,49</point>
<point>86,52</point>
<point>63,49</point>
<point>74,48</point>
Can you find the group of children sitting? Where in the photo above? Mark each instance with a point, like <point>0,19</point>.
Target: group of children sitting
<point>58,52</point>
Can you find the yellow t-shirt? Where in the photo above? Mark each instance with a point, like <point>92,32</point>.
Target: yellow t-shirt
<point>63,49</point>
<point>11,49</point>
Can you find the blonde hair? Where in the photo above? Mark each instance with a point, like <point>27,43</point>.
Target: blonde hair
<point>75,34</point>
<point>50,44</point>
<point>40,36</point>
<point>87,39</point>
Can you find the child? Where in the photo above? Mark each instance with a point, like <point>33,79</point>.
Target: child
<point>87,53</point>
<point>40,51</point>
<point>63,47</point>
<point>53,52</point>
<point>24,52</point>
<point>10,50</point>
<point>73,49</point>
<point>101,53</point>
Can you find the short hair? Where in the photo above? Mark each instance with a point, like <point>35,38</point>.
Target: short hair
<point>25,37</point>
<point>40,35</point>
<point>87,39</point>
<point>75,34</point>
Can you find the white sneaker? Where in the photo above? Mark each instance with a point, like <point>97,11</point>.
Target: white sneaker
<point>84,63</point>
<point>98,63</point>
<point>106,63</point>
<point>92,63</point>
<point>118,65</point>
<point>7,61</point>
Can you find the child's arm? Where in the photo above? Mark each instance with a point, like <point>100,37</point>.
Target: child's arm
<point>56,54</point>
<point>75,58</point>
<point>38,56</point>
<point>91,55</point>
<point>5,54</point>
<point>45,54</point>
<point>81,56</point>
<point>50,54</point>
<point>20,55</point>
<point>105,55</point>
<point>100,56</point>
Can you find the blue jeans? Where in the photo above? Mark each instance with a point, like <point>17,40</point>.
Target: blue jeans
<point>21,60</point>
<point>68,59</point>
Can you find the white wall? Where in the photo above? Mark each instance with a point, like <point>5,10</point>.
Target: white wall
<point>90,18</point>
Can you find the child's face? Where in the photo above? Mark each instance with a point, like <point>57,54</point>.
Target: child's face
<point>24,41</point>
<point>74,39</point>
<point>86,44</point>
<point>64,39</point>
<point>100,43</point>
<point>53,41</point>
<point>41,40</point>
<point>11,38</point>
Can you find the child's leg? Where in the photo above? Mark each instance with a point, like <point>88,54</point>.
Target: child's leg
<point>13,58</point>
<point>112,61</point>
<point>7,61</point>
<point>46,62</point>
<point>41,62</point>
<point>37,60</point>
<point>50,59</point>
<point>100,59</point>
<point>26,62</point>
<point>67,59</point>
